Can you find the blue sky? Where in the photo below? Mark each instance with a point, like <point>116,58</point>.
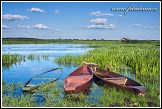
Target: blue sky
<point>80,20</point>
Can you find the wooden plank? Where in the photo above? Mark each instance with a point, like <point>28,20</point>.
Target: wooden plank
<point>115,78</point>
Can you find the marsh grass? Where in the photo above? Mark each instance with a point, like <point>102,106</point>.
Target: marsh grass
<point>9,59</point>
<point>15,59</point>
<point>143,59</point>
<point>9,99</point>
<point>54,96</point>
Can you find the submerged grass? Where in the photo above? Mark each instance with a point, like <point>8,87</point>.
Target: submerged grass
<point>52,95</point>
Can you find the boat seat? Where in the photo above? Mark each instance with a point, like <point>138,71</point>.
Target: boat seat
<point>31,85</point>
<point>114,78</point>
<point>137,87</point>
<point>117,80</point>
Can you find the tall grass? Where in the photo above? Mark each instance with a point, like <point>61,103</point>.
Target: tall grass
<point>144,60</point>
<point>13,59</point>
<point>10,59</point>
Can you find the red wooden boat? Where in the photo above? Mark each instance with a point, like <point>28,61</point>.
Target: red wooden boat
<point>114,79</point>
<point>79,80</point>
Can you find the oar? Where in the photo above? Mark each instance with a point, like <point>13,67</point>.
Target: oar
<point>40,74</point>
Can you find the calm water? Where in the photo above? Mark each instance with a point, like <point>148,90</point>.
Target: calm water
<point>25,70</point>
<point>52,50</point>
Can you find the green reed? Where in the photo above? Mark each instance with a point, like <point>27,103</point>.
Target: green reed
<point>144,60</point>
<point>13,59</point>
<point>10,59</point>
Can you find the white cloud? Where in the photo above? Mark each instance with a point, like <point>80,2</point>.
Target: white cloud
<point>110,26</point>
<point>23,26</point>
<point>5,27</point>
<point>98,14</point>
<point>10,17</point>
<point>38,26</point>
<point>146,27</point>
<point>150,27</point>
<point>37,10</point>
<point>99,21</point>
<point>56,11</point>
<point>136,25</point>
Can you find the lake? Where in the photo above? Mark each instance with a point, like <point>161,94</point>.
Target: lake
<point>20,73</point>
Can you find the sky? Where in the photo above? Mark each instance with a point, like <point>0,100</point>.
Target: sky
<point>81,20</point>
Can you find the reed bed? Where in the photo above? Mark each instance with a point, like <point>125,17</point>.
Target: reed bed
<point>144,60</point>
<point>13,59</point>
<point>10,59</point>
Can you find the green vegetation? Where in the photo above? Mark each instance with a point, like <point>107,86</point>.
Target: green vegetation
<point>13,59</point>
<point>73,41</point>
<point>143,57</point>
<point>52,95</point>
<point>10,59</point>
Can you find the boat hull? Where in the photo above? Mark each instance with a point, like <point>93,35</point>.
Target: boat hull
<point>79,81</point>
<point>119,81</point>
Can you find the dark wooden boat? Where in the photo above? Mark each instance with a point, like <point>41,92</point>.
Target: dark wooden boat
<point>79,80</point>
<point>114,79</point>
<point>28,87</point>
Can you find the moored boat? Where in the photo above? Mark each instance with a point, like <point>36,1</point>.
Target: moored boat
<point>119,81</point>
<point>79,81</point>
